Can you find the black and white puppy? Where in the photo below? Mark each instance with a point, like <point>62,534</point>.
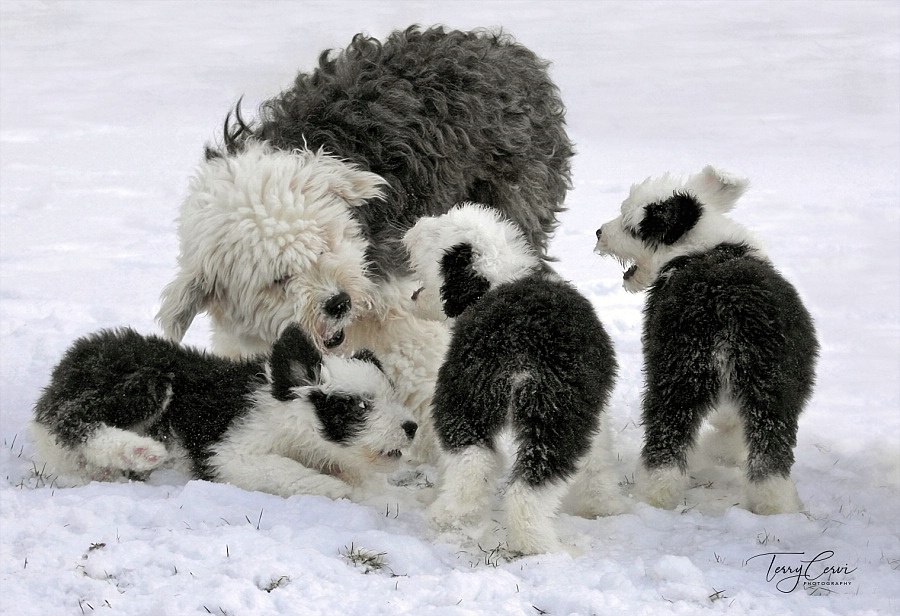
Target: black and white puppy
<point>527,353</point>
<point>120,404</point>
<point>725,336</point>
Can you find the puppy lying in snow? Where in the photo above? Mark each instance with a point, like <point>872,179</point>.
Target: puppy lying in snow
<point>120,404</point>
<point>725,336</point>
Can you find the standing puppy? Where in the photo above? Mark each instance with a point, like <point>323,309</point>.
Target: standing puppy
<point>723,332</point>
<point>527,353</point>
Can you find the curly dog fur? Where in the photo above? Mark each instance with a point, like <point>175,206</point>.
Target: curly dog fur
<point>443,116</point>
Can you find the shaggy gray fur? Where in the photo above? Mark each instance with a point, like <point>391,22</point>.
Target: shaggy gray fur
<point>443,116</point>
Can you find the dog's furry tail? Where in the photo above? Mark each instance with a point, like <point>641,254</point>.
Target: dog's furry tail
<point>235,133</point>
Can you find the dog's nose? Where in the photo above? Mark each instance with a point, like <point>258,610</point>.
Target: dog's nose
<point>410,428</point>
<point>598,232</point>
<point>337,306</point>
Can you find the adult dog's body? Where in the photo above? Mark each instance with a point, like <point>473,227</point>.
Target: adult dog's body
<point>120,404</point>
<point>444,116</point>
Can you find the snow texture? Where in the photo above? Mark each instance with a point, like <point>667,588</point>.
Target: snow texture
<point>105,109</point>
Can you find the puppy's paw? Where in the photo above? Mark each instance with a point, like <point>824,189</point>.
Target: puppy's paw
<point>446,513</point>
<point>660,487</point>
<point>143,457</point>
<point>112,448</point>
<point>772,496</point>
<point>323,485</point>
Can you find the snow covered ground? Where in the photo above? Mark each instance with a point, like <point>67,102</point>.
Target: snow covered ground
<point>105,109</point>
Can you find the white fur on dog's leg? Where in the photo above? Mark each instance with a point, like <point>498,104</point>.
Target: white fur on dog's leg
<point>772,496</point>
<point>661,487</point>
<point>275,474</point>
<point>595,490</point>
<point>466,486</point>
<point>53,457</point>
<point>123,450</point>
<point>725,442</point>
<point>530,513</point>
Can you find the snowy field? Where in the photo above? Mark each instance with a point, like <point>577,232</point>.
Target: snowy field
<point>105,109</point>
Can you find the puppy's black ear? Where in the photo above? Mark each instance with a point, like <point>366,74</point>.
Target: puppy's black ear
<point>295,362</point>
<point>665,222</point>
<point>369,356</point>
<point>462,286</point>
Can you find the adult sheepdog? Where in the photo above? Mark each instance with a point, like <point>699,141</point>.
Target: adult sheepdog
<point>527,353</point>
<point>120,404</point>
<point>724,335</point>
<point>298,214</point>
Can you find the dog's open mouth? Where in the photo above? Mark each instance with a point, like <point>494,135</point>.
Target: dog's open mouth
<point>630,272</point>
<point>384,459</point>
<point>335,341</point>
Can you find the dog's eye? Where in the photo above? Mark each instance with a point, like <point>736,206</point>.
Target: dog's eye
<point>633,232</point>
<point>282,280</point>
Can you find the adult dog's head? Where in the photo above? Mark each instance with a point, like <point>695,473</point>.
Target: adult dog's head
<point>460,255</point>
<point>668,216</point>
<point>267,238</point>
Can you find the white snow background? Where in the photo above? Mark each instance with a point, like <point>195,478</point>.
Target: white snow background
<point>106,107</point>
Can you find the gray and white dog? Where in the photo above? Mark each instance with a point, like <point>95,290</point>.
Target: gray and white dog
<point>299,209</point>
<point>725,336</point>
<point>120,404</point>
<point>528,354</point>
<point>297,216</point>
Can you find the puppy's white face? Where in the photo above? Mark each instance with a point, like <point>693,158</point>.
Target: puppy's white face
<point>665,217</point>
<point>356,414</point>
<point>471,243</point>
<point>267,238</point>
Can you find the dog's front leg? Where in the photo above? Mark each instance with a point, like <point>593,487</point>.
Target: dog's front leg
<point>275,474</point>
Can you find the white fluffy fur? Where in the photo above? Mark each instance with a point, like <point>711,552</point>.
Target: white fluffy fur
<point>663,487</point>
<point>267,237</point>
<point>772,496</point>
<point>717,190</point>
<point>411,349</point>
<point>501,252</point>
<point>594,491</point>
<point>468,482</point>
<point>277,448</point>
<point>108,454</point>
<point>530,512</point>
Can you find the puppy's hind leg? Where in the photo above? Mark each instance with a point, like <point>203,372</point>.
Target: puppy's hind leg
<point>769,489</point>
<point>530,511</point>
<point>595,490</point>
<point>671,424</point>
<point>122,450</point>
<point>467,484</point>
